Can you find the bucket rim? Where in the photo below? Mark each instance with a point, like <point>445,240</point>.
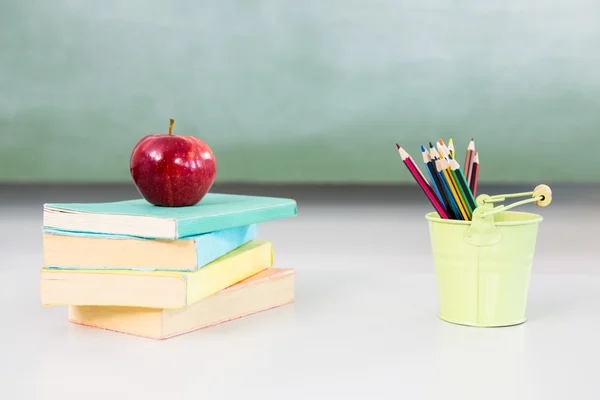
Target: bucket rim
<point>536,218</point>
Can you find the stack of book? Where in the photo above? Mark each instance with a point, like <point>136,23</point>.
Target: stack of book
<point>158,272</point>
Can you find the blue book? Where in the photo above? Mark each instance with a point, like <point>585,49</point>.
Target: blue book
<point>94,251</point>
<point>141,219</point>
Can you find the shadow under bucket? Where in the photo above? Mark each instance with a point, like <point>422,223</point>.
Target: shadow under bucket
<point>483,266</point>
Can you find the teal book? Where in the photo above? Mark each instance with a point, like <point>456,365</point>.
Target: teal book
<point>141,219</point>
<point>98,251</point>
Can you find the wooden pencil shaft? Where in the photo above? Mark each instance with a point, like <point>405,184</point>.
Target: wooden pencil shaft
<point>457,197</point>
<point>474,179</point>
<point>422,179</point>
<point>463,194</point>
<point>419,171</point>
<point>452,192</point>
<point>455,211</point>
<point>470,172</point>
<point>440,188</point>
<point>426,188</point>
<point>465,188</point>
<point>448,189</point>
<point>469,160</point>
<point>461,199</point>
<point>474,173</point>
<point>422,182</point>
<point>454,195</point>
<point>446,166</point>
<point>405,156</point>
<point>434,183</point>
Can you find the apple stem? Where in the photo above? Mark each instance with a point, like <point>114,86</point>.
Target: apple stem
<point>171,126</point>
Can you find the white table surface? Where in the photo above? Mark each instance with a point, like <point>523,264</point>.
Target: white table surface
<point>364,324</point>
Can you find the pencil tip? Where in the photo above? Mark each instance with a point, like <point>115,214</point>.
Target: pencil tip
<point>403,154</point>
<point>441,142</point>
<point>423,149</point>
<point>430,145</point>
<point>398,146</point>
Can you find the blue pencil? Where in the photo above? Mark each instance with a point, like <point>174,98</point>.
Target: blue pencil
<point>453,205</point>
<point>437,183</point>
<point>427,161</point>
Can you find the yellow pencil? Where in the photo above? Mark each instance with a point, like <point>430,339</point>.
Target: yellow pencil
<point>460,202</point>
<point>443,149</point>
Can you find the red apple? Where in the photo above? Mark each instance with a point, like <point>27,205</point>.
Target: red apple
<point>172,171</point>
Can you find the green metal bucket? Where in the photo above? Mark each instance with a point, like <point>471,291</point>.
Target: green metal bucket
<point>483,266</point>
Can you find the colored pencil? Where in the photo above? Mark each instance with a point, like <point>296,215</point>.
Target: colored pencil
<point>449,184</point>
<point>440,149</point>
<point>463,196</point>
<point>456,214</point>
<point>437,183</point>
<point>427,161</point>
<point>451,147</point>
<point>474,175</point>
<point>419,177</point>
<point>469,159</point>
<point>467,198</point>
<point>455,189</point>
<point>418,170</point>
<point>449,189</point>
<point>443,149</point>
<point>466,191</point>
<point>433,152</point>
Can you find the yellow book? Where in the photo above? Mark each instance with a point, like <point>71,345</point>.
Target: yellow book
<point>268,289</point>
<point>157,289</point>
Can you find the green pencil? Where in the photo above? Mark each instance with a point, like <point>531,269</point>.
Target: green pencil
<point>464,188</point>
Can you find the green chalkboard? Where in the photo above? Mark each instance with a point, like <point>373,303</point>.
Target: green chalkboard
<point>310,91</point>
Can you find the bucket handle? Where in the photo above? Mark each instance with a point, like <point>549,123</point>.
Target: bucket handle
<point>483,231</point>
<point>541,196</point>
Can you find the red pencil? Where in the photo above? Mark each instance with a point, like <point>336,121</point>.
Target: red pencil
<point>425,186</point>
<point>474,174</point>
